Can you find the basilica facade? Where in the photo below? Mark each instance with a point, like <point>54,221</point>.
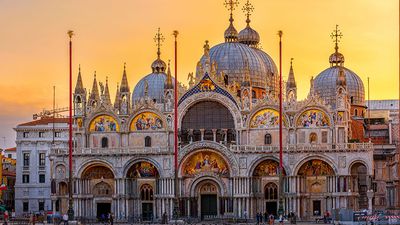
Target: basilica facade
<point>228,146</point>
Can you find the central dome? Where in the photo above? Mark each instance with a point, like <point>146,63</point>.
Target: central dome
<point>231,59</point>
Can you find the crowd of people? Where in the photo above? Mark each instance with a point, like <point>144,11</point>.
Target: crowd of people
<point>269,218</point>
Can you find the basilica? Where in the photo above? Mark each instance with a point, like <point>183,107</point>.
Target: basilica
<point>228,140</point>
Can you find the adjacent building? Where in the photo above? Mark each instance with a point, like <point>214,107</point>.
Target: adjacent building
<point>34,141</point>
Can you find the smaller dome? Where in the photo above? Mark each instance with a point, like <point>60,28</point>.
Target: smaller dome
<point>158,66</point>
<point>231,33</point>
<point>155,84</point>
<point>249,36</point>
<point>336,58</point>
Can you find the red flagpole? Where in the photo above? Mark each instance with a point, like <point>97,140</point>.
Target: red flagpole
<point>280,33</point>
<point>176,205</point>
<point>70,208</point>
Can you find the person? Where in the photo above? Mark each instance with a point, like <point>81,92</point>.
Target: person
<point>266,217</point>
<point>111,218</point>
<point>65,219</point>
<point>281,219</point>
<point>164,218</point>
<point>5,217</point>
<point>271,219</point>
<point>102,218</point>
<point>13,214</point>
<point>33,219</point>
<point>258,218</point>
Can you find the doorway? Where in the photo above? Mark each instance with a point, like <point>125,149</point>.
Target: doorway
<point>103,209</point>
<point>271,208</point>
<point>147,211</point>
<point>208,206</point>
<point>317,208</point>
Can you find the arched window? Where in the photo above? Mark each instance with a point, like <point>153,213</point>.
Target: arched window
<point>313,138</point>
<point>253,94</point>
<point>146,193</point>
<point>104,142</point>
<point>356,112</point>
<point>268,139</point>
<point>271,191</point>
<point>147,141</point>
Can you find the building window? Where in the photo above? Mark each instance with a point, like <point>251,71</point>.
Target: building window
<point>42,159</point>
<point>25,179</point>
<point>268,139</point>
<point>104,142</point>
<point>26,159</point>
<point>356,112</point>
<point>324,136</point>
<point>41,134</point>
<point>42,178</point>
<point>9,156</point>
<point>147,141</point>
<point>25,206</point>
<point>25,134</point>
<point>57,134</point>
<point>41,206</point>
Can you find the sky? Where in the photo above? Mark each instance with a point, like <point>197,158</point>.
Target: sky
<point>34,43</point>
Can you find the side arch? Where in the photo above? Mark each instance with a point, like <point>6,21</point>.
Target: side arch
<point>261,159</point>
<point>312,157</point>
<point>133,161</point>
<point>326,113</point>
<point>150,111</point>
<point>361,161</point>
<point>193,185</point>
<point>97,162</point>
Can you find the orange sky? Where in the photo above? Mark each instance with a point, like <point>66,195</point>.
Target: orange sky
<point>34,50</point>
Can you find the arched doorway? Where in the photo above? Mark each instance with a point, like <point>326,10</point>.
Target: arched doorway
<point>141,182</point>
<point>265,186</point>
<point>100,180</point>
<point>208,192</point>
<point>314,174</point>
<point>360,183</point>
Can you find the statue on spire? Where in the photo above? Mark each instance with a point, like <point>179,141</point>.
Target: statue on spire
<point>159,38</point>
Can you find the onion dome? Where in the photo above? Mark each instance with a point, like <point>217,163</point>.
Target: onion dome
<point>158,66</point>
<point>231,34</point>
<point>248,35</point>
<point>336,58</point>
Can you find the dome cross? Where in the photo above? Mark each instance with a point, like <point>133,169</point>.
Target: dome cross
<point>248,8</point>
<point>336,35</point>
<point>159,38</point>
<point>231,6</point>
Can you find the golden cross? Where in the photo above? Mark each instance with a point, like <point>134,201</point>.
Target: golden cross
<point>336,35</point>
<point>231,4</point>
<point>159,38</point>
<point>248,8</point>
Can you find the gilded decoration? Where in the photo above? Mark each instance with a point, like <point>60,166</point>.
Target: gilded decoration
<point>266,118</point>
<point>146,121</point>
<point>142,170</point>
<point>313,118</point>
<point>104,123</point>
<point>267,167</point>
<point>98,172</point>
<point>205,161</point>
<point>206,85</point>
<point>316,167</point>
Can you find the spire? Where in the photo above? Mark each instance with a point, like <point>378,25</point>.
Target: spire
<point>94,96</point>
<point>79,84</point>
<point>116,102</point>
<point>248,8</point>
<point>336,58</point>
<point>231,33</point>
<point>158,66</point>
<point>107,98</point>
<point>124,83</point>
<point>206,48</point>
<point>291,82</point>
<point>246,79</point>
<point>168,81</point>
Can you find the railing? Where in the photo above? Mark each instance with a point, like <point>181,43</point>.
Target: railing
<point>114,151</point>
<point>304,148</point>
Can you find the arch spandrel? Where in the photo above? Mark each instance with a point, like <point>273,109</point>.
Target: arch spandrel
<point>104,123</point>
<point>147,121</point>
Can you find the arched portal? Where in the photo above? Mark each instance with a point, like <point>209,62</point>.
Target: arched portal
<point>208,120</point>
<point>141,179</point>
<point>99,182</point>
<point>360,183</point>
<point>207,199</point>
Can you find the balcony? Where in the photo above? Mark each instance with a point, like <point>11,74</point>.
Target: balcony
<point>304,148</point>
<point>114,151</point>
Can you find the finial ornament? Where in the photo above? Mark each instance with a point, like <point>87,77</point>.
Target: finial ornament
<point>70,33</point>
<point>248,8</point>
<point>124,66</point>
<point>206,48</point>
<point>280,33</point>
<point>231,6</point>
<point>159,38</point>
<point>336,35</point>
<point>291,61</point>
